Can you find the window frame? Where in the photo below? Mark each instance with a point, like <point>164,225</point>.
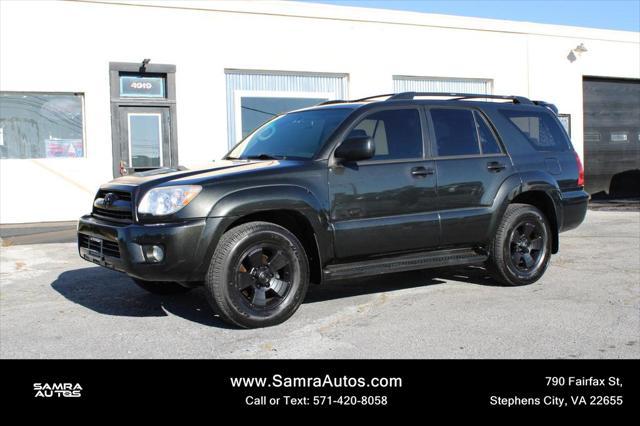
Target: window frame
<point>424,135</point>
<point>493,131</point>
<point>433,146</point>
<point>83,126</point>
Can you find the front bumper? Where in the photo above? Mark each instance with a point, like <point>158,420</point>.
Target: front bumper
<point>119,247</point>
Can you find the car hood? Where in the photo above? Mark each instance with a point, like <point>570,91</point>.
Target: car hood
<point>184,175</point>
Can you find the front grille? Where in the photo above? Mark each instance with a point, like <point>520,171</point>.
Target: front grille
<point>122,195</point>
<point>112,214</point>
<point>118,209</point>
<point>100,246</point>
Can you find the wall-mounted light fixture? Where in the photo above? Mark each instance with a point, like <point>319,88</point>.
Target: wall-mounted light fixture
<point>143,67</point>
<point>579,49</point>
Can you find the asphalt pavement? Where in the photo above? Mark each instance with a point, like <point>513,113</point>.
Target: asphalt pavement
<point>55,305</point>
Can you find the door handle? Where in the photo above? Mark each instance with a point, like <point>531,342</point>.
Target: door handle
<point>421,171</point>
<point>494,166</point>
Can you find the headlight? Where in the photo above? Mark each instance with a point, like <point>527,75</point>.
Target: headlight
<point>168,199</point>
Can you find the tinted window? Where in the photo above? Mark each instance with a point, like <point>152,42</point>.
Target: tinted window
<point>455,132</point>
<point>258,110</point>
<point>488,141</point>
<point>294,135</point>
<point>396,133</point>
<point>541,130</point>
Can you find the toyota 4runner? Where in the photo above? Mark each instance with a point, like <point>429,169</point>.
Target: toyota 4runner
<point>348,189</point>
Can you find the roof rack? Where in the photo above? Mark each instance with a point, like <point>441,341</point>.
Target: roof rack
<point>374,97</point>
<point>552,107</point>
<point>334,101</point>
<point>460,96</point>
<point>454,97</point>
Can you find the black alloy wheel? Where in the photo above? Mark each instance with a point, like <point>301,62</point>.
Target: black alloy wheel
<point>521,248</point>
<point>264,276</point>
<point>527,245</point>
<point>258,276</point>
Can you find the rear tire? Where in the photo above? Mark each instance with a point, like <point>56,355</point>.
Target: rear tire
<point>521,249</point>
<point>161,287</point>
<point>258,276</point>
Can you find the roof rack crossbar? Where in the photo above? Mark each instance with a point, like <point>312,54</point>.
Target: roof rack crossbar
<point>459,96</point>
<point>374,97</point>
<point>334,101</point>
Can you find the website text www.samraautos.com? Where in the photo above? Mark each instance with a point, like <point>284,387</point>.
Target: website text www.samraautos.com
<point>320,390</point>
<point>326,381</point>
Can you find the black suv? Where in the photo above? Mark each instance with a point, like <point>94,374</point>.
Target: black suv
<point>347,189</point>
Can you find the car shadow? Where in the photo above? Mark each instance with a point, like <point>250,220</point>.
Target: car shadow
<point>112,293</point>
<point>398,281</point>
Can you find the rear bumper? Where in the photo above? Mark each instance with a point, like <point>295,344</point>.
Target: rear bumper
<point>574,209</point>
<point>119,247</point>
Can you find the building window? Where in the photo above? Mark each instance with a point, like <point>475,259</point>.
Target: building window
<point>254,97</point>
<point>140,86</point>
<point>402,83</point>
<point>41,125</point>
<point>145,140</point>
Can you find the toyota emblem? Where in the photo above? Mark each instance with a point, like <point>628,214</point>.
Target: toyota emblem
<point>109,199</point>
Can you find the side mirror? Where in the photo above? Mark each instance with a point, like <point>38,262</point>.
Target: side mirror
<point>356,148</point>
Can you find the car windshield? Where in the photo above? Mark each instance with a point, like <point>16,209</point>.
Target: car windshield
<point>297,135</point>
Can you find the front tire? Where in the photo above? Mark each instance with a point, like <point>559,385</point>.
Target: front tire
<point>521,249</point>
<point>258,276</point>
<point>161,287</point>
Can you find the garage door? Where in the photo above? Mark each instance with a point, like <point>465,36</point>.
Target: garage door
<point>612,137</point>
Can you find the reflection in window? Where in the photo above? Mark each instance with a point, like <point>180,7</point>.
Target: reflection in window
<point>539,128</point>
<point>297,135</point>
<point>455,132</point>
<point>258,110</point>
<point>488,141</point>
<point>39,125</point>
<point>396,133</point>
<point>144,140</point>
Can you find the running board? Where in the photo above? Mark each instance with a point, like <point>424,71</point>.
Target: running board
<point>407,262</point>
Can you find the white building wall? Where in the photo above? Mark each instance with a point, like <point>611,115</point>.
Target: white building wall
<point>67,47</point>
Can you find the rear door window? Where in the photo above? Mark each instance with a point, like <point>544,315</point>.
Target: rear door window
<point>539,129</point>
<point>455,131</point>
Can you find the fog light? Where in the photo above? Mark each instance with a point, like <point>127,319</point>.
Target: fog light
<point>154,254</point>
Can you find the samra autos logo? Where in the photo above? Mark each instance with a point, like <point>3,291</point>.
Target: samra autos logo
<point>57,390</point>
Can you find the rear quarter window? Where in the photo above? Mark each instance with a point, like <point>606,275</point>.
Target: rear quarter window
<point>540,129</point>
